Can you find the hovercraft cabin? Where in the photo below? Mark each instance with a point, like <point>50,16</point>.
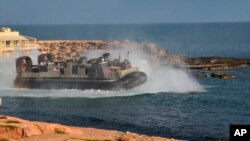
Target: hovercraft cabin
<point>12,40</point>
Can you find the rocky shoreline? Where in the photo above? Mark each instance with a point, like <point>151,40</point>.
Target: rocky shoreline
<point>158,56</point>
<point>216,63</point>
<point>13,129</point>
<point>76,47</point>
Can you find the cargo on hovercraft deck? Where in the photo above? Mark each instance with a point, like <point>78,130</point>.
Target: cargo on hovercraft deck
<point>77,73</point>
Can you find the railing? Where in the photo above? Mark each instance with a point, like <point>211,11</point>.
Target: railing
<point>20,47</point>
<point>6,50</point>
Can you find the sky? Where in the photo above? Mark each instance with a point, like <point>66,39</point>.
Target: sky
<point>122,11</point>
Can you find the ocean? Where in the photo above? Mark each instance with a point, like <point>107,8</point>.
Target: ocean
<point>174,103</point>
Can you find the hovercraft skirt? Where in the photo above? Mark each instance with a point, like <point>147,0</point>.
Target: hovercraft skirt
<point>129,81</point>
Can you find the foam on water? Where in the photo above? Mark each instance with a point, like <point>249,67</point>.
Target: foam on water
<point>163,79</point>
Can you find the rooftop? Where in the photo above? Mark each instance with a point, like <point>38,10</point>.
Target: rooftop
<point>7,34</point>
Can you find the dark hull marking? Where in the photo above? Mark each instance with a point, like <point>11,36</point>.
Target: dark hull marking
<point>127,82</point>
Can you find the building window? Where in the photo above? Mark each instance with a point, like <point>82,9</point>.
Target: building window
<point>7,43</point>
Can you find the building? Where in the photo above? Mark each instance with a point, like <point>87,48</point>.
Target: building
<point>12,40</point>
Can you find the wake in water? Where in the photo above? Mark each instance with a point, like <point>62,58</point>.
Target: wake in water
<point>160,79</point>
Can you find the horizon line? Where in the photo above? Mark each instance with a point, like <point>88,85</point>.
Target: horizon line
<point>129,23</point>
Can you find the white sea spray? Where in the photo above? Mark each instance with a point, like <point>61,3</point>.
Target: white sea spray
<point>161,79</point>
<point>8,67</point>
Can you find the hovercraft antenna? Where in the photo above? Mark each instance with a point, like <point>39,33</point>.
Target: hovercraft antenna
<point>119,58</point>
<point>127,57</point>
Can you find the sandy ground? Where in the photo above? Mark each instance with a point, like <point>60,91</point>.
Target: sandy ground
<point>12,129</point>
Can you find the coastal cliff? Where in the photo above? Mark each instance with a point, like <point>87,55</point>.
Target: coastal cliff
<point>13,129</point>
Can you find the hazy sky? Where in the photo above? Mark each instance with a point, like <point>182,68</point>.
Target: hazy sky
<point>122,11</point>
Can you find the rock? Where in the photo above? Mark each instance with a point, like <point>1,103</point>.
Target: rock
<point>128,136</point>
<point>3,117</point>
<point>159,56</point>
<point>215,63</point>
<point>163,53</point>
<point>12,128</point>
<point>222,75</point>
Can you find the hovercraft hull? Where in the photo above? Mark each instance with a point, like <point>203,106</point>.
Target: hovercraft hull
<point>129,81</point>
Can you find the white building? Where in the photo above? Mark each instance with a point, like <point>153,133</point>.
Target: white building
<point>12,40</point>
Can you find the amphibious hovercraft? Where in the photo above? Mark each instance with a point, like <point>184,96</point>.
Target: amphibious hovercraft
<point>78,73</point>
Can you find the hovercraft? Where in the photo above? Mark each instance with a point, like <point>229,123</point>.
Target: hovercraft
<point>77,73</point>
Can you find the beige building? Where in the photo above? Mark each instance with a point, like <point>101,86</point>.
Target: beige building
<point>12,40</point>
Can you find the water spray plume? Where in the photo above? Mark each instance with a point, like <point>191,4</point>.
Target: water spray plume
<point>160,79</point>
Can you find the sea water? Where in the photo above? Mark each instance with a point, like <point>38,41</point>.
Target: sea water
<point>177,104</point>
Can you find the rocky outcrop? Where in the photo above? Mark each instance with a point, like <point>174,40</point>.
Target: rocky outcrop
<point>12,129</point>
<point>71,48</point>
<point>215,63</point>
<point>220,75</point>
<point>159,56</point>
